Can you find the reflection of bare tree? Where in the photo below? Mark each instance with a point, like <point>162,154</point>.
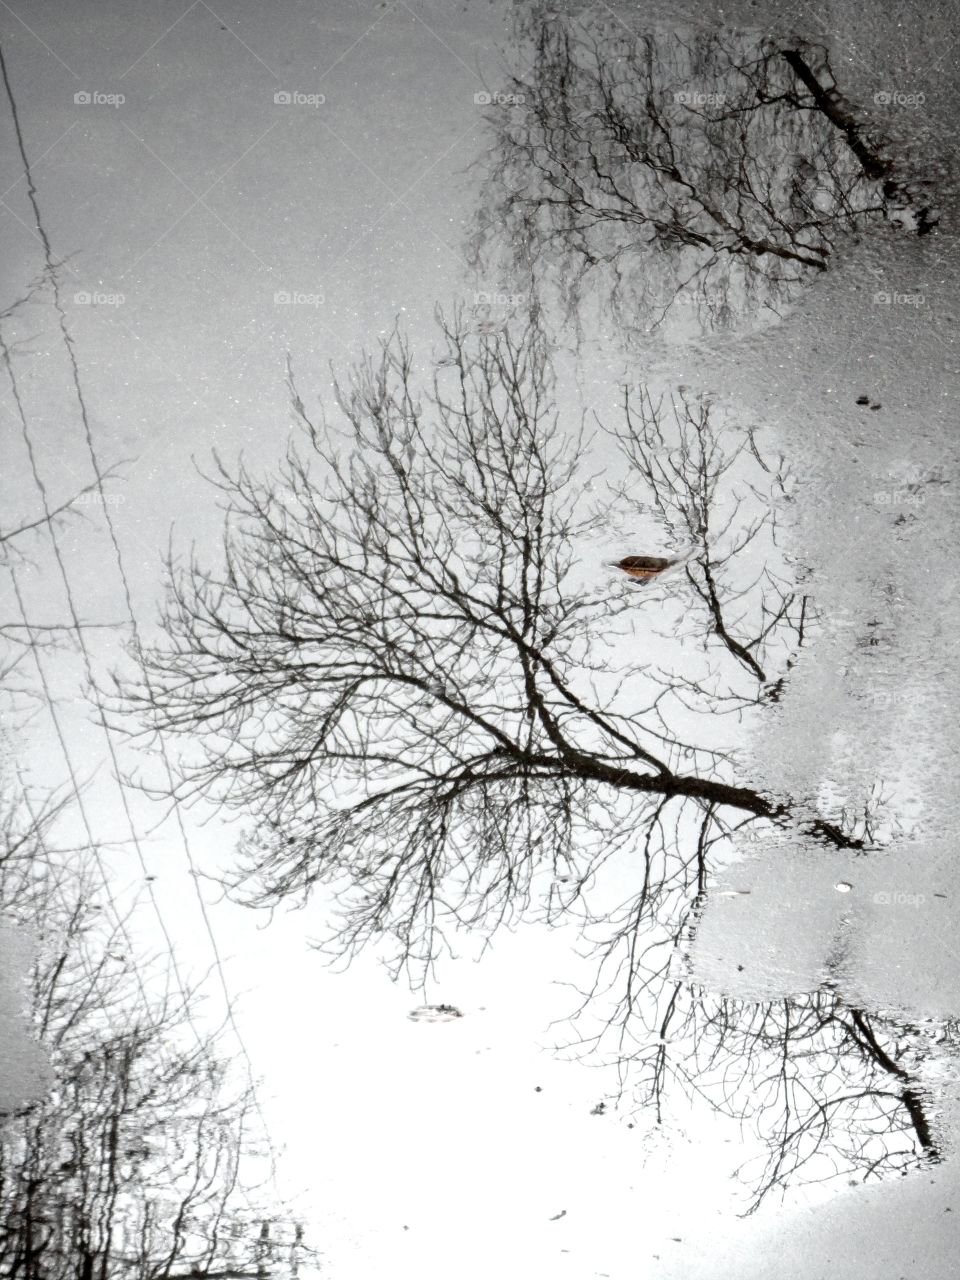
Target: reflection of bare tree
<point>137,1162</point>
<point>827,1091</point>
<point>398,675</point>
<point>145,1159</point>
<point>823,1084</point>
<point>832,1092</point>
<point>709,169</point>
<point>716,493</point>
<point>395,674</point>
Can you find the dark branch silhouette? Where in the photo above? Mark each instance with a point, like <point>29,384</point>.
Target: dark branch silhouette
<point>392,672</point>
<point>397,673</point>
<point>139,1160</point>
<point>661,172</point>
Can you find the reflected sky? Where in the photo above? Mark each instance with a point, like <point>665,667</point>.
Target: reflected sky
<point>222,214</point>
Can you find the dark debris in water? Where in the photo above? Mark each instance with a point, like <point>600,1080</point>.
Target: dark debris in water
<point>434,1013</point>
